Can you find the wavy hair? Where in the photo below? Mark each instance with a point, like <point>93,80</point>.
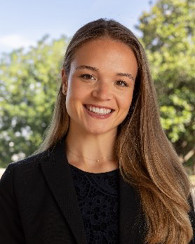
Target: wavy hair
<point>146,158</point>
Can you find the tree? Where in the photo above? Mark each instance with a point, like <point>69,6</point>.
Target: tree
<point>28,87</point>
<point>168,36</point>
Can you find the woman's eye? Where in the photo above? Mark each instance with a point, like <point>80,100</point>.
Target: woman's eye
<point>87,77</point>
<point>122,83</point>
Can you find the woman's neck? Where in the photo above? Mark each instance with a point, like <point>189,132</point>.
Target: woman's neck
<point>94,153</point>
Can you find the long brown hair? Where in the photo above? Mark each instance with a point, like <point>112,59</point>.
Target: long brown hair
<point>147,160</point>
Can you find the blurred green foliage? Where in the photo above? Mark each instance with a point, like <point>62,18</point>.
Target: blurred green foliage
<point>28,87</point>
<point>168,36</point>
<point>29,82</point>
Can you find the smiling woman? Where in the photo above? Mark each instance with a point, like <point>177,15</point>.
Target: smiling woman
<point>106,172</point>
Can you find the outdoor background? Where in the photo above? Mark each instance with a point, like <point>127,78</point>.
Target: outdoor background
<point>33,39</point>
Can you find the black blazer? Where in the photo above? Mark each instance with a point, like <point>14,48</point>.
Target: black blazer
<point>38,204</point>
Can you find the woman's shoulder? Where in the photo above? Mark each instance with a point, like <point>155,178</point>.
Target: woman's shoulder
<point>26,164</point>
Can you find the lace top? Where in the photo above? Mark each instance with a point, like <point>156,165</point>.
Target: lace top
<point>97,195</point>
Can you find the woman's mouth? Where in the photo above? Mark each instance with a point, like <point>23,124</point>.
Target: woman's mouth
<point>98,112</point>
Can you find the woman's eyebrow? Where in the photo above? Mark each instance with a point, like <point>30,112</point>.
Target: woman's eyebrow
<point>87,67</point>
<point>130,76</point>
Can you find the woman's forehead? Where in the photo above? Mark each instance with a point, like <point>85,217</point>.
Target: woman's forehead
<point>104,51</point>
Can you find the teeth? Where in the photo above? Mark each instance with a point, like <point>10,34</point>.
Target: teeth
<point>99,110</point>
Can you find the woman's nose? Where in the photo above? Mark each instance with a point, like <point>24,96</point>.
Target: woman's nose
<point>102,91</point>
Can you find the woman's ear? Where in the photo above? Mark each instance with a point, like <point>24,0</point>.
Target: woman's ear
<point>64,82</point>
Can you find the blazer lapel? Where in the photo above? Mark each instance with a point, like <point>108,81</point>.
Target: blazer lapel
<point>59,179</point>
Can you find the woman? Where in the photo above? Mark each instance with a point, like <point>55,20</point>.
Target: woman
<point>106,172</point>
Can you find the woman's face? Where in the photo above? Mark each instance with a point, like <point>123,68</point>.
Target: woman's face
<point>100,86</point>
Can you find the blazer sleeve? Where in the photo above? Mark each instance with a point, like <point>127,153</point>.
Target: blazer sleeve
<point>10,225</point>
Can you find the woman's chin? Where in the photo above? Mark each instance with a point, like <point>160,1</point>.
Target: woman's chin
<point>99,131</point>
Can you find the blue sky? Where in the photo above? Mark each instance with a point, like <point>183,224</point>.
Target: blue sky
<point>23,23</point>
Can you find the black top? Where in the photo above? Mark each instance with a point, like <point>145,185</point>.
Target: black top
<point>98,197</point>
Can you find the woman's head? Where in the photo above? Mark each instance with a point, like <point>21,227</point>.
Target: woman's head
<point>99,87</point>
<point>112,30</point>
